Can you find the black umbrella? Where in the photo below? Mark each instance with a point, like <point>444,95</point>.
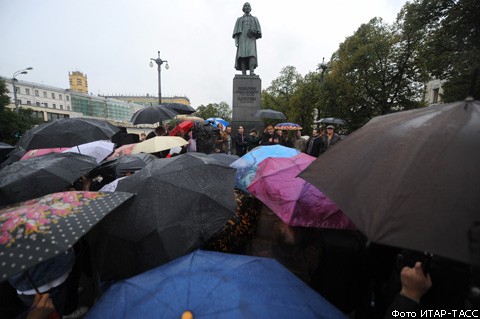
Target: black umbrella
<point>181,202</point>
<point>38,176</point>
<point>152,114</point>
<point>122,165</point>
<point>12,157</point>
<point>67,132</point>
<point>179,108</point>
<point>43,228</point>
<point>270,114</point>
<point>224,158</point>
<point>331,120</point>
<point>409,179</point>
<point>5,148</point>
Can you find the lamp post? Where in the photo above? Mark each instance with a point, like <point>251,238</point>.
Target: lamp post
<point>159,62</point>
<point>322,68</point>
<point>24,71</point>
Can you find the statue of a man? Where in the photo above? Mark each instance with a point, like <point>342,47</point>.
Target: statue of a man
<point>246,32</point>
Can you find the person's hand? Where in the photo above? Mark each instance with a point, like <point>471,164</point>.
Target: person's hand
<point>270,140</point>
<point>414,282</point>
<point>42,307</point>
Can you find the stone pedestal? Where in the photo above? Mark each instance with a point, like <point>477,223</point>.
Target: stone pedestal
<point>247,99</point>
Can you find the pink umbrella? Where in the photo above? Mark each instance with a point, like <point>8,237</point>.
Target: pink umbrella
<point>291,198</point>
<point>42,151</point>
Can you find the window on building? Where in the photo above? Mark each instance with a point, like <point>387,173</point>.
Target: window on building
<point>45,104</point>
<point>19,101</point>
<point>61,107</point>
<point>45,94</point>
<point>29,102</point>
<point>36,93</point>
<point>17,89</point>
<point>67,97</point>
<point>60,97</point>
<point>37,103</point>
<point>79,81</point>
<point>37,115</point>
<point>27,91</point>
<point>54,106</point>
<point>53,95</point>
<point>435,95</point>
<point>68,107</point>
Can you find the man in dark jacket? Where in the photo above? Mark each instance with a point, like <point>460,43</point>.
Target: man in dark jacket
<point>314,144</point>
<point>241,142</point>
<point>330,138</point>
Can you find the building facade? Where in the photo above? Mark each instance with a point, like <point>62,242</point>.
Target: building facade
<point>78,82</point>
<point>434,91</point>
<point>50,103</point>
<point>148,100</point>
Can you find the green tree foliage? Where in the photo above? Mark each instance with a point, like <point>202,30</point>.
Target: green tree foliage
<point>221,110</point>
<point>451,46</point>
<point>373,73</point>
<point>12,124</point>
<point>278,96</point>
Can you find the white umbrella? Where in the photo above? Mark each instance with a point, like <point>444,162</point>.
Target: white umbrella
<point>98,149</point>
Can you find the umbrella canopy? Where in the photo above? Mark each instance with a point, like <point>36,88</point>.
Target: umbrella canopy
<point>158,143</point>
<point>120,166</point>
<point>288,127</point>
<point>214,285</point>
<point>97,149</point>
<point>295,201</point>
<point>181,202</point>
<point>216,120</point>
<point>247,165</point>
<point>224,158</point>
<point>331,120</point>
<point>67,132</point>
<point>409,179</point>
<point>184,126</point>
<point>269,114</point>
<point>152,115</point>
<point>42,151</point>
<point>42,228</point>
<point>12,157</point>
<point>179,108</point>
<point>194,119</point>
<point>5,148</point>
<point>42,175</point>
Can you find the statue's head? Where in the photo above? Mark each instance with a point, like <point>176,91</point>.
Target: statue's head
<point>246,7</point>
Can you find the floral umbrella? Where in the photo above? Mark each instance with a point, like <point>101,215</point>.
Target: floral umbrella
<point>288,127</point>
<point>42,228</point>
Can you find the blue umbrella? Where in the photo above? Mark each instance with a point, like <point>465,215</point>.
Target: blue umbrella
<point>216,120</point>
<point>214,285</point>
<point>247,164</point>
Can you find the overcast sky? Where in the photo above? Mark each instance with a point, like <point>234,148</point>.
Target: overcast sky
<point>112,41</point>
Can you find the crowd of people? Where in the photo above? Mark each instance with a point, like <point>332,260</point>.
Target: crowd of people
<point>362,280</point>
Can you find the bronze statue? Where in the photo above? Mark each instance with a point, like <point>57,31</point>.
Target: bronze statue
<point>246,32</point>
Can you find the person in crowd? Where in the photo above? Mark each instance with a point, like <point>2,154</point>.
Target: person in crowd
<point>314,144</point>
<point>224,143</point>
<point>253,140</point>
<point>285,139</point>
<point>159,131</point>
<point>143,137</point>
<point>414,285</point>
<point>330,139</point>
<point>241,142</point>
<point>192,143</point>
<point>298,142</point>
<point>269,136</point>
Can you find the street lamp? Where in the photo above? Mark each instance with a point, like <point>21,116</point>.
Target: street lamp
<point>24,71</point>
<point>159,63</point>
<point>322,68</point>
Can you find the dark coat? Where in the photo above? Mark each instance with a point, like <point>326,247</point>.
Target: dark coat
<point>314,146</point>
<point>241,144</point>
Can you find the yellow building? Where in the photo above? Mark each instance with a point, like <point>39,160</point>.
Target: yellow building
<point>78,82</point>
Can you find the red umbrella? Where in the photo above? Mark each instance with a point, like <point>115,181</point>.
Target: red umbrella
<point>184,126</point>
<point>291,198</point>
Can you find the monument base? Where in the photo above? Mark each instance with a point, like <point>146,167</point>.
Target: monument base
<point>247,100</point>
